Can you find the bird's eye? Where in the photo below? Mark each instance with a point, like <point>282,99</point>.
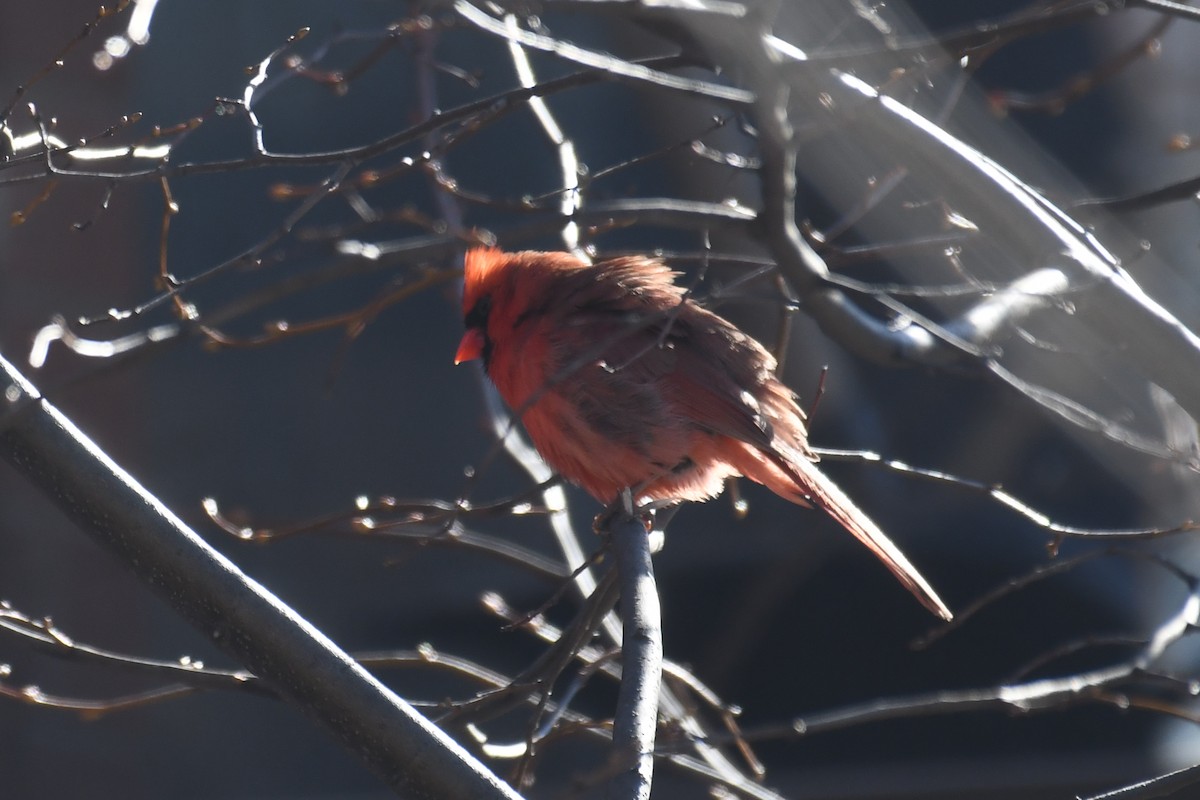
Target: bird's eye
<point>477,317</point>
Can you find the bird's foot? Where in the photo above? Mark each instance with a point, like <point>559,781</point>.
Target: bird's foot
<point>653,514</point>
<point>618,509</point>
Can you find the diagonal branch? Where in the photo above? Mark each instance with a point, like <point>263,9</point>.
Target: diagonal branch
<point>615,67</point>
<point>1164,347</point>
<point>296,660</point>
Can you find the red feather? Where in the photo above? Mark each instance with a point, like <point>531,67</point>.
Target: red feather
<point>622,381</point>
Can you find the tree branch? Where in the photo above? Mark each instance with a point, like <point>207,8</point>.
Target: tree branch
<point>297,661</point>
<point>636,720</point>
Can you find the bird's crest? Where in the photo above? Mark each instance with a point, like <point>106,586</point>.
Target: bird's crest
<point>482,267</point>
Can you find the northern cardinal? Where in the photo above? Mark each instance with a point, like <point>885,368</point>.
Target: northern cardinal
<point>624,382</point>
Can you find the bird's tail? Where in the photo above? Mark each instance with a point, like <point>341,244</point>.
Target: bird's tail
<point>800,481</point>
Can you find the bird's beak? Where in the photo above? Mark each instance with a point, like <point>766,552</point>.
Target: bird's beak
<point>471,346</point>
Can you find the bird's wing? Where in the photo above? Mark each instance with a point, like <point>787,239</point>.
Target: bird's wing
<point>711,373</point>
<point>704,366</point>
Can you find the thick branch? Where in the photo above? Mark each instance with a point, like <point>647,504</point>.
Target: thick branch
<point>297,661</point>
<point>636,720</point>
<point>1155,339</point>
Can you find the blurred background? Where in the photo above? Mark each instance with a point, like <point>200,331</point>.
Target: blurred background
<point>779,612</point>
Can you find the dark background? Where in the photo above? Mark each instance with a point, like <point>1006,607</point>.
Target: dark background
<point>780,613</point>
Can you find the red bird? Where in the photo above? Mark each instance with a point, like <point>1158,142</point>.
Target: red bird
<point>622,381</point>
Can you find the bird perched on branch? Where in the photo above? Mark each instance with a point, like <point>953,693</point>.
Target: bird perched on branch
<point>624,382</point>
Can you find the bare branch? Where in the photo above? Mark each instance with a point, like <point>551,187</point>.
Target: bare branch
<point>405,750</point>
<point>1161,786</point>
<point>570,197</point>
<point>1007,499</point>
<point>616,67</point>
<point>1169,7</point>
<point>1022,697</point>
<point>636,720</point>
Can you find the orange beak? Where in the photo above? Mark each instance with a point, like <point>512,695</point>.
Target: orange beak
<point>471,346</point>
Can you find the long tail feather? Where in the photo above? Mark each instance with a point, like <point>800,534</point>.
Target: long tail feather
<point>801,482</point>
<point>826,494</point>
